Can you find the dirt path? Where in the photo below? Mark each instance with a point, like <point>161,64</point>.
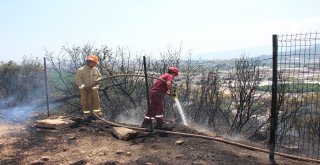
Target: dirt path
<point>89,144</point>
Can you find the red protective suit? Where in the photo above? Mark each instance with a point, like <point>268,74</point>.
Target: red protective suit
<point>157,93</point>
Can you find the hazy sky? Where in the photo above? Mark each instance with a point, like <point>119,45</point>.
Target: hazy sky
<point>28,27</point>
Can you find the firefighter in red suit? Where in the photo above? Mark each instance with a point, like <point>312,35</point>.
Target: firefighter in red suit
<point>158,91</point>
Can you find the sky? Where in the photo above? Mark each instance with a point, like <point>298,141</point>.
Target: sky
<point>32,27</point>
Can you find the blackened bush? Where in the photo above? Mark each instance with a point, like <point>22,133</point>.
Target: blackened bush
<point>20,84</point>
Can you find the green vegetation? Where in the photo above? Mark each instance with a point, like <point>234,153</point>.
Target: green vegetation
<point>294,88</point>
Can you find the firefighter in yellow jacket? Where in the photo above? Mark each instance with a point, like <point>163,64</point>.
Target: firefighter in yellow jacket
<point>87,78</point>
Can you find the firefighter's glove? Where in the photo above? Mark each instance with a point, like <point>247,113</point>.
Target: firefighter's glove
<point>96,82</point>
<point>173,95</point>
<point>82,86</point>
<point>95,88</point>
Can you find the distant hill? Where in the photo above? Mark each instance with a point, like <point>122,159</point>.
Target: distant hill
<point>312,53</point>
<point>232,54</point>
<point>262,53</point>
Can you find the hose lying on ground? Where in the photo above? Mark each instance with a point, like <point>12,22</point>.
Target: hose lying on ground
<point>213,138</point>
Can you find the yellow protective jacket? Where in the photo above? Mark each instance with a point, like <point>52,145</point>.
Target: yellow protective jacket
<point>87,76</point>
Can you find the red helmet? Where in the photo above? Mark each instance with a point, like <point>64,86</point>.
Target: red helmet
<point>93,58</point>
<point>174,70</point>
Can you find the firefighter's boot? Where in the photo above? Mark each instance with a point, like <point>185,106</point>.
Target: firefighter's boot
<point>147,123</point>
<point>98,113</point>
<point>87,116</point>
<point>164,126</point>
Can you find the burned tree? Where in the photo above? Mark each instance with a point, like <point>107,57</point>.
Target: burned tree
<point>214,101</point>
<point>245,97</point>
<point>168,58</point>
<point>125,93</point>
<point>190,70</point>
<point>210,99</point>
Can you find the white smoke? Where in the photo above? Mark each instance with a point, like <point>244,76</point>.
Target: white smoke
<point>17,114</point>
<point>132,116</point>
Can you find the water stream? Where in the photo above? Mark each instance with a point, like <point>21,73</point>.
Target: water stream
<point>183,117</point>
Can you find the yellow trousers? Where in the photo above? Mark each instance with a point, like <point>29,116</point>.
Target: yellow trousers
<point>90,100</point>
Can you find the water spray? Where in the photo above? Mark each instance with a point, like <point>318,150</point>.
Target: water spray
<point>180,110</point>
<point>176,100</point>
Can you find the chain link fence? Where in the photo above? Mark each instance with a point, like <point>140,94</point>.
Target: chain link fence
<point>298,99</point>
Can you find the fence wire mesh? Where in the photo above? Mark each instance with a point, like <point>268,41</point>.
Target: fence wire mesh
<point>298,94</point>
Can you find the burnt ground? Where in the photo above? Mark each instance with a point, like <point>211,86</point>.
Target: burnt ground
<point>93,143</point>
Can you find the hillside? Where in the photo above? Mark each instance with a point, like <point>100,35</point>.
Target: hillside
<point>93,143</point>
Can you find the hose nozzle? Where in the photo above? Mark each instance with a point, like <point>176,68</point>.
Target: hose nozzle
<point>173,96</point>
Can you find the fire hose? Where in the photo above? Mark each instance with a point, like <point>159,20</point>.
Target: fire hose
<point>124,75</point>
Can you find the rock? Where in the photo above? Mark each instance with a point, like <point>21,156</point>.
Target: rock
<point>149,163</point>
<point>37,163</point>
<point>199,162</point>
<point>138,140</point>
<point>120,152</point>
<point>79,162</point>
<point>57,123</point>
<point>101,154</point>
<point>179,156</point>
<point>111,163</point>
<point>124,133</point>
<point>42,130</point>
<point>44,159</point>
<point>179,142</point>
<point>72,138</point>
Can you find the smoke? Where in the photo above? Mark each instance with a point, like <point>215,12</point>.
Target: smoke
<point>212,132</point>
<point>17,114</point>
<point>132,116</point>
<point>15,110</point>
<point>7,101</point>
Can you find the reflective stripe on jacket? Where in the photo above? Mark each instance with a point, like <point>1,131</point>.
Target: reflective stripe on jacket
<point>87,76</point>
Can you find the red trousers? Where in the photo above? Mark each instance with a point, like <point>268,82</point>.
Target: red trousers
<point>156,109</point>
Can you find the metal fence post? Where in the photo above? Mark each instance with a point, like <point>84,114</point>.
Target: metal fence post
<point>147,86</point>
<point>274,101</point>
<point>46,84</point>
